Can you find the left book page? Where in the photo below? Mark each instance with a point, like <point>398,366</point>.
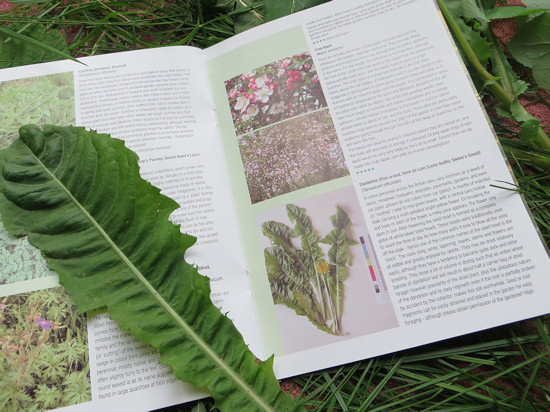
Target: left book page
<point>157,101</point>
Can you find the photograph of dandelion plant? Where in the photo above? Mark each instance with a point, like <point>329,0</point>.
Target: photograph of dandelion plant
<point>317,273</point>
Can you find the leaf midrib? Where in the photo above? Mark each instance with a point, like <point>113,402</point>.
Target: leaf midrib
<point>250,392</point>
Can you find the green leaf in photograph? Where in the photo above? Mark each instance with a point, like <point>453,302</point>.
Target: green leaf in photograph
<point>302,279</point>
<point>279,8</point>
<point>79,197</point>
<point>532,42</point>
<point>339,256</point>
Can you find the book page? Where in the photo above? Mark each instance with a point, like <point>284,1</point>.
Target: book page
<point>155,101</point>
<point>365,174</point>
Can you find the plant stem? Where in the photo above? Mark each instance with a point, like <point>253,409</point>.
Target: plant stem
<point>490,80</point>
<point>537,161</point>
<point>505,98</point>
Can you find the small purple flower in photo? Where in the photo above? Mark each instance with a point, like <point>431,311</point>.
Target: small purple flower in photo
<point>43,323</point>
<point>3,307</point>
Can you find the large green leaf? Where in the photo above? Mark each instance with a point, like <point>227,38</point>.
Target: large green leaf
<point>463,11</point>
<point>532,41</point>
<point>279,8</point>
<point>510,11</point>
<point>79,197</point>
<point>541,72</point>
<point>34,44</point>
<point>531,47</point>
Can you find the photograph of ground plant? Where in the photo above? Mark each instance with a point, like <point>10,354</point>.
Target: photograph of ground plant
<point>274,92</point>
<point>35,100</point>
<point>304,278</point>
<point>316,271</point>
<point>42,99</point>
<point>291,155</point>
<point>44,349</point>
<point>20,261</point>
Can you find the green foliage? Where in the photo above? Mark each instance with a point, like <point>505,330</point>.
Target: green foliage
<point>30,44</point>
<point>279,8</point>
<point>511,11</point>
<point>94,27</point>
<point>245,13</point>
<point>44,352</point>
<point>79,197</point>
<point>531,47</point>
<point>469,25</point>
<point>301,278</point>
<point>26,101</point>
<point>465,15</point>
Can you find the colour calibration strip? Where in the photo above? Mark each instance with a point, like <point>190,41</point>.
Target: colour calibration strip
<point>378,282</point>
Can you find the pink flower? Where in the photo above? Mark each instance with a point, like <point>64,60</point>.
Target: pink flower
<point>242,104</point>
<point>252,110</point>
<point>263,94</point>
<point>260,81</point>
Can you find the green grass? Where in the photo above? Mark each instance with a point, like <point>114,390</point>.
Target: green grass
<point>502,369</point>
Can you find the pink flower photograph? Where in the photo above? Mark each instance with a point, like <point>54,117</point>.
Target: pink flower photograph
<point>274,92</point>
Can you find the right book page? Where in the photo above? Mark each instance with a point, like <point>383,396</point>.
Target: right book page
<point>364,171</point>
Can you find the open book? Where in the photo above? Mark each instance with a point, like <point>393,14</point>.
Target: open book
<point>339,173</point>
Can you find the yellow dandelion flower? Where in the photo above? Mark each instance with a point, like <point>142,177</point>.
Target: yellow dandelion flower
<point>323,267</point>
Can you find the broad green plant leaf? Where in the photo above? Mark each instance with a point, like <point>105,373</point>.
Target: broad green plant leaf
<point>279,8</point>
<point>466,10</point>
<point>510,11</point>
<point>245,13</point>
<point>528,123</point>
<point>531,47</point>
<point>532,41</point>
<point>248,14</point>
<point>34,44</point>
<point>541,72</point>
<point>78,196</point>
<point>536,4</point>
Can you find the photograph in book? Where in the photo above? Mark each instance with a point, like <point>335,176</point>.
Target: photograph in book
<point>293,154</point>
<point>273,92</point>
<point>38,100</point>
<point>20,260</point>
<point>35,100</point>
<point>323,276</point>
<point>43,341</point>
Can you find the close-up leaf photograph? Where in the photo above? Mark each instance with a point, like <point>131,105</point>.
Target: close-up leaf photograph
<point>274,205</point>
